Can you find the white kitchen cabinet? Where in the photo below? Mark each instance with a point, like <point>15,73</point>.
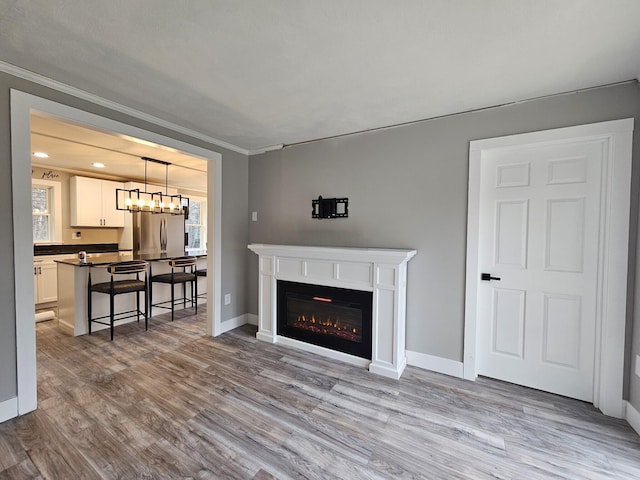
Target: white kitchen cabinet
<point>45,281</point>
<point>93,203</point>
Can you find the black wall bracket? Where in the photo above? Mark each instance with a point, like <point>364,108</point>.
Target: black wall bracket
<point>330,207</point>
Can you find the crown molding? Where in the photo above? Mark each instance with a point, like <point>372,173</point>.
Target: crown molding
<point>103,102</point>
<point>270,148</point>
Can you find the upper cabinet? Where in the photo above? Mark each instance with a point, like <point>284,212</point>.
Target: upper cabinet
<point>93,203</point>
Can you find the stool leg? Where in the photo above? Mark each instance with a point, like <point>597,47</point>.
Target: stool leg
<point>111,316</point>
<point>184,295</point>
<point>194,296</point>
<point>89,310</point>
<point>150,293</point>
<point>146,307</point>
<point>138,306</point>
<point>172,299</point>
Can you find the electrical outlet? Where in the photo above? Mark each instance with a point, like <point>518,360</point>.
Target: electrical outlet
<point>227,299</point>
<point>254,216</point>
<point>638,365</point>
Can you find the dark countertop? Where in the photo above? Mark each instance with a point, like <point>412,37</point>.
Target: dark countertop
<point>109,258</point>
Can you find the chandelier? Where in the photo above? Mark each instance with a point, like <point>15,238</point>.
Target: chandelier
<point>136,200</point>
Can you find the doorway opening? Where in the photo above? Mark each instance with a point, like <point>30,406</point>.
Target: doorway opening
<point>22,106</point>
<point>67,155</point>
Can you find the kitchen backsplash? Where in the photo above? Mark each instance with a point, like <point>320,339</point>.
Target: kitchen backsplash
<point>74,248</point>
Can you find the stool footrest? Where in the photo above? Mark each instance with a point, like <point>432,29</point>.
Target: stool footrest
<point>117,316</point>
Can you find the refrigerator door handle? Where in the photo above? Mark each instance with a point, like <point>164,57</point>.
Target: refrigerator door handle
<point>163,235</point>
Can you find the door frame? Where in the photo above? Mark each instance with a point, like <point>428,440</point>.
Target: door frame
<point>613,246</point>
<point>22,104</point>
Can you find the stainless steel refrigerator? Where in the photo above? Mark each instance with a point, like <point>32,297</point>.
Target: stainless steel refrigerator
<point>158,233</point>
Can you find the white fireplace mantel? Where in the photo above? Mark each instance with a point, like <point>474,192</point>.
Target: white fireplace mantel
<point>377,270</point>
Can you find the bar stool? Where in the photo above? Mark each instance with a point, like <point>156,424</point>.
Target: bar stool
<point>183,271</point>
<point>118,287</point>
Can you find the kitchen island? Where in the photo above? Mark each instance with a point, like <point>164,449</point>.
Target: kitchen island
<point>73,277</point>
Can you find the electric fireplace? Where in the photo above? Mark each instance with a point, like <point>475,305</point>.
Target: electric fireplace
<point>330,317</point>
<point>373,282</point>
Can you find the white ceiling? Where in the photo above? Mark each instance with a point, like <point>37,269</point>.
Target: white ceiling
<point>75,148</point>
<point>257,73</point>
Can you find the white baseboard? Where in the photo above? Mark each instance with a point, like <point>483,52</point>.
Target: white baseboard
<point>252,319</point>
<point>8,409</point>
<point>67,327</point>
<point>233,323</point>
<point>633,417</point>
<point>263,337</point>
<point>435,364</point>
<point>388,371</point>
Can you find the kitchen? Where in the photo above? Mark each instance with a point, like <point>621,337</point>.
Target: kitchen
<point>76,172</point>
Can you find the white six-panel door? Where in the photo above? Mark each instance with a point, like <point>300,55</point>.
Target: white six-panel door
<point>539,234</point>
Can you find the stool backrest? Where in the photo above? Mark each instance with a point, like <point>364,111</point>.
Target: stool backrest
<point>182,262</point>
<point>131,266</point>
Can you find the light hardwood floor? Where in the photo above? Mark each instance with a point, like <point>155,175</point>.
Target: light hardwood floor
<point>174,403</point>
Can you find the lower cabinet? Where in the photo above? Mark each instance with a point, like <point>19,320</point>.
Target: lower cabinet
<point>45,281</point>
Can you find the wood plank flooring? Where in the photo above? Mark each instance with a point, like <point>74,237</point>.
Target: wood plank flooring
<point>174,403</point>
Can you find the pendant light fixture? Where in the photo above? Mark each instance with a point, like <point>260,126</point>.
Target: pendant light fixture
<point>136,200</point>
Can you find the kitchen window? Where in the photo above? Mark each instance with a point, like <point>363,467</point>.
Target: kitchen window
<point>196,225</point>
<point>46,207</point>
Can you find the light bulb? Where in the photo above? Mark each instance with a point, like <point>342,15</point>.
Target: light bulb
<point>128,202</point>
<point>171,206</point>
<point>152,204</point>
<point>140,203</point>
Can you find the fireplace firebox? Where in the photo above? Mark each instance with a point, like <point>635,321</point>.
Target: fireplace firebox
<point>330,317</point>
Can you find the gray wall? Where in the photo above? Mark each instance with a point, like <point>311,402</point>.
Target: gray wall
<point>407,187</point>
<point>234,219</point>
<point>235,234</point>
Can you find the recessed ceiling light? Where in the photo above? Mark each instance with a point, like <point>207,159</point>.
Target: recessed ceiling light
<point>98,164</point>
<point>140,141</point>
<point>40,155</point>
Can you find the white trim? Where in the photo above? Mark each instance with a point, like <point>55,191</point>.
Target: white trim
<point>23,257</point>
<point>587,131</point>
<point>8,409</point>
<point>232,323</point>
<point>472,271</point>
<point>355,254</point>
<point>271,148</point>
<point>21,106</point>
<point>327,352</point>
<point>435,364</point>
<point>394,372</point>
<point>633,417</point>
<point>67,327</point>
<point>252,319</point>
<point>90,97</point>
<point>612,272</point>
<point>214,237</point>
